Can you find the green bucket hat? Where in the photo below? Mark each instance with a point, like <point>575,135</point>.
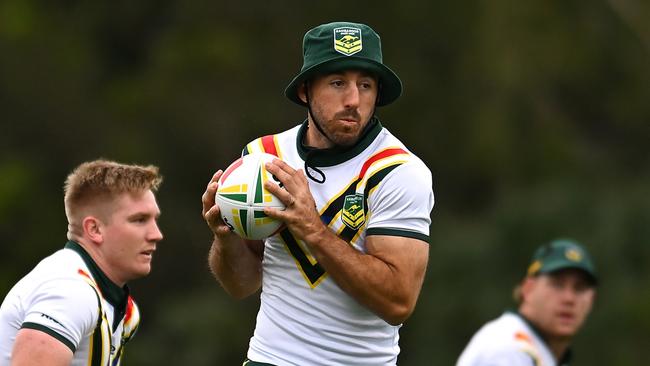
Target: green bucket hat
<point>340,46</point>
<point>561,254</point>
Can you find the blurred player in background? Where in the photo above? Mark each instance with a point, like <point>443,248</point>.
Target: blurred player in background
<point>74,307</point>
<point>346,272</point>
<point>555,298</point>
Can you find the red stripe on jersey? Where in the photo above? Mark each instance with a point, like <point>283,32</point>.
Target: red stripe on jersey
<point>90,280</point>
<point>129,310</point>
<point>232,167</point>
<point>381,155</point>
<point>83,273</point>
<point>523,336</point>
<point>268,144</point>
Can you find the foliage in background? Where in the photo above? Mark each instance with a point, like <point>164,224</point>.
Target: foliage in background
<point>533,117</point>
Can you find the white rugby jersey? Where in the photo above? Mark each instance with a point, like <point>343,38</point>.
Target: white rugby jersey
<point>376,187</point>
<point>68,297</point>
<point>508,341</point>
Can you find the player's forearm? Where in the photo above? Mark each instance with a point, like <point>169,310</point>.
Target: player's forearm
<point>235,265</point>
<point>374,286</point>
<point>389,289</point>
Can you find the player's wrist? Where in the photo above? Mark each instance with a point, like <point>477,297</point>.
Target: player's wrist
<point>223,237</point>
<point>320,236</point>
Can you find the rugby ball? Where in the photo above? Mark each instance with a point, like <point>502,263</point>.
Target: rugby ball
<point>241,197</point>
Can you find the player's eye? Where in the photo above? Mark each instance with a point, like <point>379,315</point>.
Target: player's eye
<point>366,85</point>
<point>139,219</point>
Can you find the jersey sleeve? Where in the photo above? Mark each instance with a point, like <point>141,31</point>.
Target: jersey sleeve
<point>402,203</point>
<point>66,309</point>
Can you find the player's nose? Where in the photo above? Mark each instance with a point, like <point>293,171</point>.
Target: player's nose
<point>155,234</point>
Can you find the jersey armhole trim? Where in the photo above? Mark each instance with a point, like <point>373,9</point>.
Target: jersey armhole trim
<point>44,329</point>
<point>398,232</point>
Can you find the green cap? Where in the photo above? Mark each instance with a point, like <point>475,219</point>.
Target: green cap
<point>562,254</point>
<point>340,46</point>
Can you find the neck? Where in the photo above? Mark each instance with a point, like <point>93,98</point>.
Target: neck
<point>315,137</point>
<point>98,257</point>
<point>557,344</point>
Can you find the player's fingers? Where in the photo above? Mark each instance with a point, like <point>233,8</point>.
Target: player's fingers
<point>284,166</point>
<point>213,219</point>
<point>291,201</point>
<point>216,176</point>
<point>274,187</point>
<point>280,170</point>
<point>293,180</point>
<point>288,198</point>
<point>207,199</point>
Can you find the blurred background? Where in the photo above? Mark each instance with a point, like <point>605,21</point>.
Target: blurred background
<point>533,116</point>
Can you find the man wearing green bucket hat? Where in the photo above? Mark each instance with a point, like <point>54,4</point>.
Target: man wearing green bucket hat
<point>346,271</point>
<point>555,298</point>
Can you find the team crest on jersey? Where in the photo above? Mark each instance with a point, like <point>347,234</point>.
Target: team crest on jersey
<point>347,40</point>
<point>353,214</point>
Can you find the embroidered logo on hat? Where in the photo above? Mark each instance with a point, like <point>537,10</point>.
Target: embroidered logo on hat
<point>573,254</point>
<point>347,40</point>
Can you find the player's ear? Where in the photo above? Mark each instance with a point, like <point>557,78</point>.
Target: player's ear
<point>92,228</point>
<point>302,92</point>
<point>527,285</point>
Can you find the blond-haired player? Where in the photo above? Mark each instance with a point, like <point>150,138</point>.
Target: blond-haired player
<point>74,307</point>
<point>555,298</point>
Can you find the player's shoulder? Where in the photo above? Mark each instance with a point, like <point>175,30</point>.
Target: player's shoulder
<point>78,289</point>
<point>271,143</point>
<point>65,272</point>
<point>386,140</point>
<point>404,170</point>
<point>62,264</point>
<point>504,341</point>
<point>505,326</point>
<point>505,334</point>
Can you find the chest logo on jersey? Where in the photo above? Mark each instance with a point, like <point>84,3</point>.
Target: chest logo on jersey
<point>353,214</point>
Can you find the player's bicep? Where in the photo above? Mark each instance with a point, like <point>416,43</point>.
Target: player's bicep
<point>35,347</point>
<point>405,255</point>
<point>407,259</point>
<point>256,246</point>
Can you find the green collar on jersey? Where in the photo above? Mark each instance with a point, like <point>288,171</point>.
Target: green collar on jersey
<point>115,295</point>
<point>336,155</point>
<point>568,355</point>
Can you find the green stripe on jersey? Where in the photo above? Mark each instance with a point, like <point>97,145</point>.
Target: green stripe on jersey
<point>398,232</point>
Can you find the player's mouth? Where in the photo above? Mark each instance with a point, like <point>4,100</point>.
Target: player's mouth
<point>348,116</point>
<point>349,120</point>
<point>566,316</point>
<point>148,253</point>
